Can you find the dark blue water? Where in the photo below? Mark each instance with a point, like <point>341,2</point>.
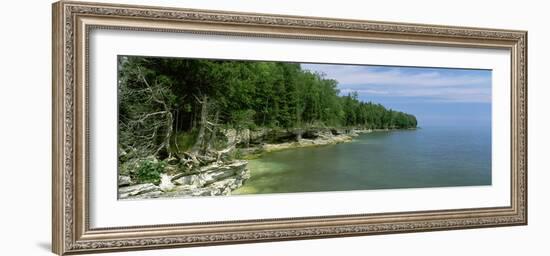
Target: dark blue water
<point>427,157</point>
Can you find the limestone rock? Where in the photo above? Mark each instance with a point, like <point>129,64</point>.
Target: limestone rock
<point>192,180</point>
<point>224,187</point>
<point>244,175</point>
<point>231,136</point>
<point>213,173</point>
<point>205,192</point>
<point>124,180</point>
<point>152,194</point>
<point>211,180</point>
<point>131,191</point>
<point>187,191</point>
<point>166,182</point>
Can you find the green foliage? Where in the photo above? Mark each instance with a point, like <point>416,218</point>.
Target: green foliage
<point>374,116</point>
<point>149,171</point>
<point>183,141</point>
<point>238,154</point>
<point>264,94</point>
<point>243,119</point>
<point>156,92</point>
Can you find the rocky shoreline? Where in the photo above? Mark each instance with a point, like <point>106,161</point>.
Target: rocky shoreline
<point>222,177</point>
<point>211,180</point>
<point>313,138</point>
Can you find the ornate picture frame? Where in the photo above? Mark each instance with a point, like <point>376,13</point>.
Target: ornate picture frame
<point>72,23</point>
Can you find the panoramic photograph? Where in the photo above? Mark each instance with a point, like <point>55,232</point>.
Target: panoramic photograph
<point>207,127</point>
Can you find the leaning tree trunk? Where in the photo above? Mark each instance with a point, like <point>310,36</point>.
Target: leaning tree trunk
<point>213,131</point>
<point>166,143</point>
<point>176,144</point>
<point>202,125</point>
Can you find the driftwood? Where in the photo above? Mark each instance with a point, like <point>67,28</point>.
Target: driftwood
<point>224,153</point>
<point>192,160</point>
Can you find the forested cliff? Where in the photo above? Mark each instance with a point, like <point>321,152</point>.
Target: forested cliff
<point>239,94</point>
<point>175,108</point>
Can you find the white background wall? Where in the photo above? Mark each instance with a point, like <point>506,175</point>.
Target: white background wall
<point>25,148</point>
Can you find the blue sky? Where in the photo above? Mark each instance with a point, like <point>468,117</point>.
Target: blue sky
<point>436,96</point>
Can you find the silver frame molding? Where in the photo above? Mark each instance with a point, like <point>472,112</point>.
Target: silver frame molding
<point>72,22</point>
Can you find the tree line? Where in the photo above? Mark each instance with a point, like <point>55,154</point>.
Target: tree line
<point>162,97</point>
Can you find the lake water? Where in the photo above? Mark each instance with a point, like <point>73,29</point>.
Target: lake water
<point>426,157</point>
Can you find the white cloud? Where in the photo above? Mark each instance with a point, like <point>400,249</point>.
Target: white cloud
<point>456,86</point>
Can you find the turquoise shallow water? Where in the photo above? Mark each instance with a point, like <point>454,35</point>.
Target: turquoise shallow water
<point>427,157</point>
